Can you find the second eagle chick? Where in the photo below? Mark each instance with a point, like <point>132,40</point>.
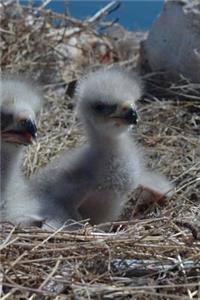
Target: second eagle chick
<point>94,181</point>
<point>19,103</point>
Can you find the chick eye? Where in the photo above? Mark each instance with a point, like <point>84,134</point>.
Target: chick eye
<point>102,108</point>
<point>5,119</point>
<point>99,107</point>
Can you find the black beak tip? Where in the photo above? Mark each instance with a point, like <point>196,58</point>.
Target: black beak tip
<point>131,116</point>
<point>30,127</point>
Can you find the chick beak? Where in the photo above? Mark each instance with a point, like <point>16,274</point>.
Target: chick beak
<point>127,114</point>
<point>28,127</point>
<point>24,132</point>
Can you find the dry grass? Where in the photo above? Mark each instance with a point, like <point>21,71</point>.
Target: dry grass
<point>152,256</point>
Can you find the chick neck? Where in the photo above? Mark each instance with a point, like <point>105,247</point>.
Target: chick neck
<point>105,141</point>
<point>10,157</point>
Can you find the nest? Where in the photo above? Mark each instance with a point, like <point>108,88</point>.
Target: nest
<point>154,255</point>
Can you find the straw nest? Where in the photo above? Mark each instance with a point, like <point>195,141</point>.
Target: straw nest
<point>151,255</point>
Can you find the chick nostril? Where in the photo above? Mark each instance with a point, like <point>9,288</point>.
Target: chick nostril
<point>23,122</point>
<point>125,109</point>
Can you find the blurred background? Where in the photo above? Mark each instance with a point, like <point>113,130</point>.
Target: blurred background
<point>137,15</point>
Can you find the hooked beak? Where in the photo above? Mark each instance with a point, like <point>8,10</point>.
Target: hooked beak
<point>126,114</point>
<point>23,132</point>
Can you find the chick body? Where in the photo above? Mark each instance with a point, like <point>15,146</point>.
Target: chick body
<point>94,181</point>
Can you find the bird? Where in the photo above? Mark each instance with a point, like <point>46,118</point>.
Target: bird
<point>92,182</point>
<point>19,103</point>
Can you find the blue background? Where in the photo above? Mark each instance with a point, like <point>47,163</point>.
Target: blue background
<point>131,14</point>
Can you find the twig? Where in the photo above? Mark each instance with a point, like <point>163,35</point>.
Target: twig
<point>53,271</point>
<point>104,11</point>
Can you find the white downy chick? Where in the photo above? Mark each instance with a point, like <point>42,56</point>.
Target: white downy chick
<point>94,181</point>
<point>19,102</point>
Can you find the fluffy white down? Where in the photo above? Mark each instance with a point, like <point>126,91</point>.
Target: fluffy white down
<point>94,181</point>
<point>18,204</point>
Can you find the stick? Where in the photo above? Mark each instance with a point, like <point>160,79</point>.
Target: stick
<point>104,11</point>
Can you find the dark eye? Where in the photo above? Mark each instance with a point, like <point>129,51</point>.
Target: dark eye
<point>99,107</point>
<point>102,108</point>
<point>6,119</point>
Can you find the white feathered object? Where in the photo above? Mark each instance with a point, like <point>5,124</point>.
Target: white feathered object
<point>94,181</point>
<point>19,102</point>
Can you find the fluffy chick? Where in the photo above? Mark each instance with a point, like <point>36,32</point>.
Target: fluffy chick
<point>19,103</point>
<point>94,181</point>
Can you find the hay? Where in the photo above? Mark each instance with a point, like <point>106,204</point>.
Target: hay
<point>155,255</point>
